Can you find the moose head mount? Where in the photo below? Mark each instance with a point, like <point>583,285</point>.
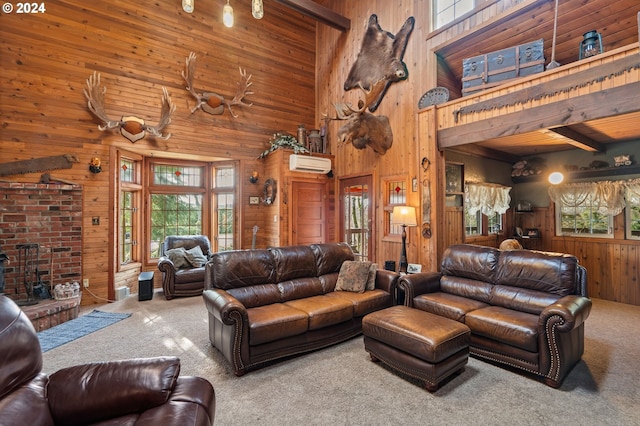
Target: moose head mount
<point>214,103</point>
<point>132,128</point>
<point>379,64</point>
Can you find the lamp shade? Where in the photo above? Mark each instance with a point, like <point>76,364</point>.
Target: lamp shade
<point>404,215</point>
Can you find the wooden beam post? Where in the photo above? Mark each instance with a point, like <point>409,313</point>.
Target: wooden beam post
<point>319,13</point>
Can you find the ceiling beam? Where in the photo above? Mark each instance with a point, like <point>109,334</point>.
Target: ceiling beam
<point>605,103</point>
<point>576,139</point>
<point>319,13</point>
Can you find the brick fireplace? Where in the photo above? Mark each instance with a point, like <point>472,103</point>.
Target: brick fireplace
<point>49,215</point>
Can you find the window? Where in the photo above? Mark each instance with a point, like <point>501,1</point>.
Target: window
<point>445,11</point>
<point>495,223</point>
<point>472,223</point>
<point>130,195</point>
<point>586,209</point>
<point>583,219</point>
<point>176,202</point>
<point>224,199</point>
<point>484,207</point>
<point>395,195</point>
<point>632,209</point>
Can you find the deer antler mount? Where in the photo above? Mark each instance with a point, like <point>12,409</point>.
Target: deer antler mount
<point>211,102</point>
<point>132,128</point>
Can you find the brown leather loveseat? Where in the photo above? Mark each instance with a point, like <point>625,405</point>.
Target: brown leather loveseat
<point>131,392</point>
<point>525,309</point>
<point>268,304</point>
<point>182,264</point>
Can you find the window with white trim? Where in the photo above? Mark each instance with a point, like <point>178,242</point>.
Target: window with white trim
<point>445,11</point>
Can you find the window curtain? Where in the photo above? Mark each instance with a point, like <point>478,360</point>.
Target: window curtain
<point>608,197</point>
<point>488,198</point>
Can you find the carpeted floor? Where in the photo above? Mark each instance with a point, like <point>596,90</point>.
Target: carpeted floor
<point>77,328</point>
<point>341,386</point>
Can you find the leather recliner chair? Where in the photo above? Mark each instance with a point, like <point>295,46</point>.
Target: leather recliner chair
<point>129,392</point>
<point>183,279</point>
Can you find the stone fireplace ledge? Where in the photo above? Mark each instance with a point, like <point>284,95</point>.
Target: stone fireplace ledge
<point>49,313</point>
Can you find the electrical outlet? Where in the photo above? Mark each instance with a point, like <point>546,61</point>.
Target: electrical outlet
<point>85,282</point>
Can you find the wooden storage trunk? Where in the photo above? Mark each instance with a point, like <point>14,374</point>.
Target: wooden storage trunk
<point>492,69</point>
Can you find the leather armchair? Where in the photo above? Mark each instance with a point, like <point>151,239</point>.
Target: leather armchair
<point>129,392</point>
<point>182,281</point>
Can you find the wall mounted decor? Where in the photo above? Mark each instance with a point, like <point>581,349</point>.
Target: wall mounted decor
<point>95,165</point>
<point>270,191</point>
<point>379,64</point>
<point>211,102</point>
<point>132,128</point>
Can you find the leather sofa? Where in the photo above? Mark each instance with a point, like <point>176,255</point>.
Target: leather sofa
<point>526,309</point>
<point>267,304</point>
<point>130,392</point>
<point>183,279</point>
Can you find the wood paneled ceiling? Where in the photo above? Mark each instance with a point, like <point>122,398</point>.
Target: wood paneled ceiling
<point>616,20</point>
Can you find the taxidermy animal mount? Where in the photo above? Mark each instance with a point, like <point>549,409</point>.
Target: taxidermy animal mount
<point>214,103</point>
<point>132,128</point>
<point>379,64</point>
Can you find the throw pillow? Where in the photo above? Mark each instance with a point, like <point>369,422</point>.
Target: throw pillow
<point>195,257</point>
<point>353,276</point>
<point>371,279</point>
<point>177,256</point>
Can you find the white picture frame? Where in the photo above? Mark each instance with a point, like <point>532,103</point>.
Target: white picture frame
<point>413,268</point>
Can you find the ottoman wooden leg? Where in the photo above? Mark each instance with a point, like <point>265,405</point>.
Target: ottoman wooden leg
<point>374,358</point>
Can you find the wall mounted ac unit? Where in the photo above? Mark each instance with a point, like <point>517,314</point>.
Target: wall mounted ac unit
<point>307,164</point>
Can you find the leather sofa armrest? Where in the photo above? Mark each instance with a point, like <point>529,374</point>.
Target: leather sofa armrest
<point>221,305</point>
<point>416,284</point>
<point>572,309</point>
<point>108,390</point>
<point>387,280</point>
<point>166,265</point>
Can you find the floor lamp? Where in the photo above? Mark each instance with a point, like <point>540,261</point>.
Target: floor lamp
<point>404,216</point>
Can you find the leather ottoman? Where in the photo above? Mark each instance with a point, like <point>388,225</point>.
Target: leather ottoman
<point>416,343</point>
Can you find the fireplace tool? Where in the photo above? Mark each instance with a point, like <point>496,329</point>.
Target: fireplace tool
<point>28,259</point>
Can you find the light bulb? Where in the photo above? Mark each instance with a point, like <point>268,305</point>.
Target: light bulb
<point>227,15</point>
<point>556,178</point>
<point>188,5</point>
<point>257,9</point>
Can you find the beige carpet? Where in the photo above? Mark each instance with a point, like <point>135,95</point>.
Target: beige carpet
<point>341,386</point>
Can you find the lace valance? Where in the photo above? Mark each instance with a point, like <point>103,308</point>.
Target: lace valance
<point>608,197</point>
<point>488,198</point>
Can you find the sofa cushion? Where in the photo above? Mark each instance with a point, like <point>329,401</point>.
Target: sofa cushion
<point>330,256</point>
<point>465,287</point>
<point>447,305</point>
<point>522,299</point>
<point>299,288</point>
<point>353,276</point>
<point>190,275</point>
<point>371,278</point>
<point>323,311</point>
<point>364,303</point>
<point>195,257</point>
<point>554,273</point>
<point>470,261</point>
<point>274,322</point>
<point>241,268</point>
<point>257,295</point>
<point>514,328</point>
<point>178,257</point>
<point>294,262</point>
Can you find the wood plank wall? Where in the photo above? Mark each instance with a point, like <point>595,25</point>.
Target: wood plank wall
<point>138,48</point>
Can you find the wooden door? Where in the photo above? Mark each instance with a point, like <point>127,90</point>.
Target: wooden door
<point>309,213</point>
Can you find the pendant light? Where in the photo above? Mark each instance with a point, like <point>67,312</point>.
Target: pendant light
<point>188,5</point>
<point>227,15</point>
<point>257,9</point>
